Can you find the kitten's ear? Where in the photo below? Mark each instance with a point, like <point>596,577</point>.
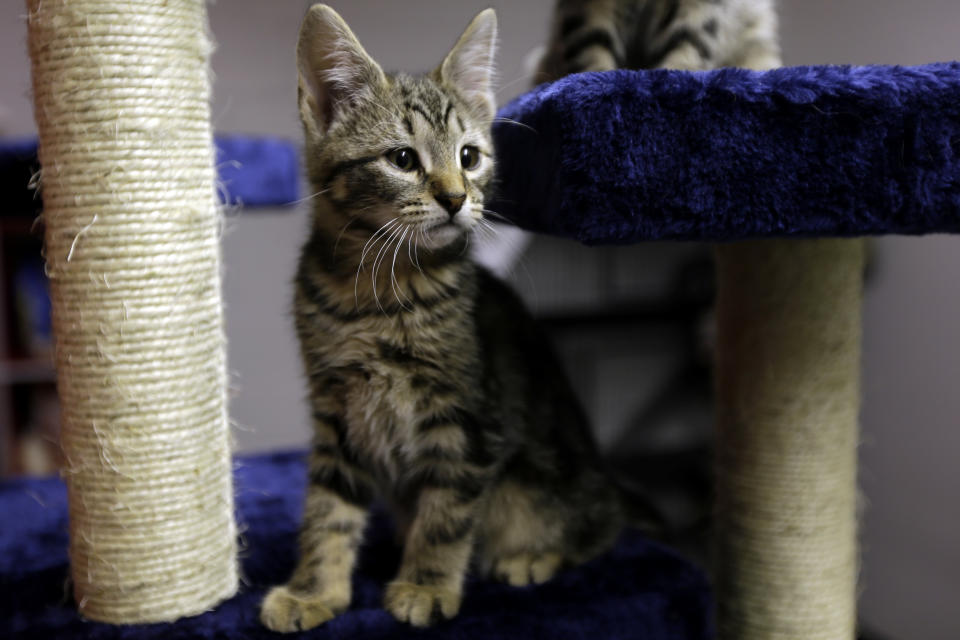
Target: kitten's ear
<point>469,65</point>
<point>335,71</point>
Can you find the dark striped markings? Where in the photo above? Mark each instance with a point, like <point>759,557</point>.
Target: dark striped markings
<point>677,38</point>
<point>448,531</point>
<point>337,477</point>
<point>598,37</point>
<point>347,165</point>
<point>571,23</point>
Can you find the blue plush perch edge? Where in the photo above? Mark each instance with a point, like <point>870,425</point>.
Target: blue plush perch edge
<point>253,172</point>
<point>625,156</point>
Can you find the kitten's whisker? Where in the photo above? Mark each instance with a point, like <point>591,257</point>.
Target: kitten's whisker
<point>489,228</point>
<point>482,220</point>
<point>340,235</point>
<point>481,239</point>
<point>305,198</point>
<point>396,240</point>
<point>381,230</point>
<point>416,243</point>
<point>521,78</point>
<point>519,124</point>
<point>486,233</point>
<point>492,237</point>
<point>363,253</point>
<point>411,248</point>
<point>496,216</point>
<point>373,238</point>
<point>373,274</point>
<point>377,262</point>
<point>475,227</point>
<point>393,276</point>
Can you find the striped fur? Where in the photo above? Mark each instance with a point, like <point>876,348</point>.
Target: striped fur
<point>430,384</point>
<point>599,35</point>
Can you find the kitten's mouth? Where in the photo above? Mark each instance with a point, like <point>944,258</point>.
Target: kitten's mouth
<point>442,234</point>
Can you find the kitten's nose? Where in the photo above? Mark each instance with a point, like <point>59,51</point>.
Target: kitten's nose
<point>451,201</point>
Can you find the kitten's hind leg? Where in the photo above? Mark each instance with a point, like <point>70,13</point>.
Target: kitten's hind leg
<point>334,517</point>
<point>521,537</point>
<point>521,569</point>
<point>531,532</point>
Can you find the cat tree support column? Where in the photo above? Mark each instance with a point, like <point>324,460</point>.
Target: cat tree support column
<point>788,398</point>
<point>122,94</point>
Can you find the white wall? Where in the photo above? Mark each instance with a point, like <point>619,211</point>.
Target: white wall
<point>911,572</point>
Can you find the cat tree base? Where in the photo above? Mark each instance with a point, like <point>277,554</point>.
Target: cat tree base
<point>788,396</point>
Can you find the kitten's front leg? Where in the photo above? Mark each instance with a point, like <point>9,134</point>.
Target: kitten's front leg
<point>429,586</point>
<point>334,517</point>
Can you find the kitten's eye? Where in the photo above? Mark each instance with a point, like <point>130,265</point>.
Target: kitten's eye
<point>469,157</point>
<point>404,159</point>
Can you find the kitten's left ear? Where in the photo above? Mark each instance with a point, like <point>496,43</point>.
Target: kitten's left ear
<point>469,65</point>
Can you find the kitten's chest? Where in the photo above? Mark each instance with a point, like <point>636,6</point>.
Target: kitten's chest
<point>380,430</point>
<point>396,363</point>
<point>404,379</point>
<point>382,410</point>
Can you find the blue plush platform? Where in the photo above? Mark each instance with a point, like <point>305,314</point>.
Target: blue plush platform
<point>253,172</point>
<point>625,156</point>
<point>638,591</point>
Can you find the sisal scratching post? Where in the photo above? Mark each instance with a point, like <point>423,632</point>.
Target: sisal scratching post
<point>788,397</point>
<point>122,95</point>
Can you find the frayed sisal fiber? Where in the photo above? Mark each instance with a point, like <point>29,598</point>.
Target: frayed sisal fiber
<point>788,362</point>
<point>122,95</point>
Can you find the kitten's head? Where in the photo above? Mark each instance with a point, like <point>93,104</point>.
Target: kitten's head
<point>408,156</point>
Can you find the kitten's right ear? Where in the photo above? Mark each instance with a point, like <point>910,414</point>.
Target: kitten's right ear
<point>335,71</point>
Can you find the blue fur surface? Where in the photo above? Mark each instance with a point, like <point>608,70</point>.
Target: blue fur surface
<point>626,156</point>
<point>637,591</point>
<point>252,171</point>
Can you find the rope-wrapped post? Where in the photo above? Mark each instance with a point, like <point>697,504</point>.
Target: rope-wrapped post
<point>122,93</point>
<point>788,358</point>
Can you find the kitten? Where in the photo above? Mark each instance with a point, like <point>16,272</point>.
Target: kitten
<point>430,384</point>
<point>599,35</point>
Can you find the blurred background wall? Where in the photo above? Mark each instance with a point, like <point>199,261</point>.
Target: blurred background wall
<point>911,413</point>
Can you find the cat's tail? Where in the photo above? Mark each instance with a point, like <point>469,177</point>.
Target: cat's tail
<point>639,510</point>
<point>642,513</point>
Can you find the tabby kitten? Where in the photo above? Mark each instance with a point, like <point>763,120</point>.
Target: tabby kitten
<point>430,384</point>
<point>599,35</point>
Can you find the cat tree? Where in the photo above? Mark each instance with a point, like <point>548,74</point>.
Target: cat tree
<point>122,105</point>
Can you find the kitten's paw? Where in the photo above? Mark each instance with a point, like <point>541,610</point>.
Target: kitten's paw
<point>420,605</point>
<point>284,611</point>
<point>524,568</point>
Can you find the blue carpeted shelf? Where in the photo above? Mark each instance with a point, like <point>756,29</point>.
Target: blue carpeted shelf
<point>638,591</point>
<point>253,172</point>
<point>627,156</point>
